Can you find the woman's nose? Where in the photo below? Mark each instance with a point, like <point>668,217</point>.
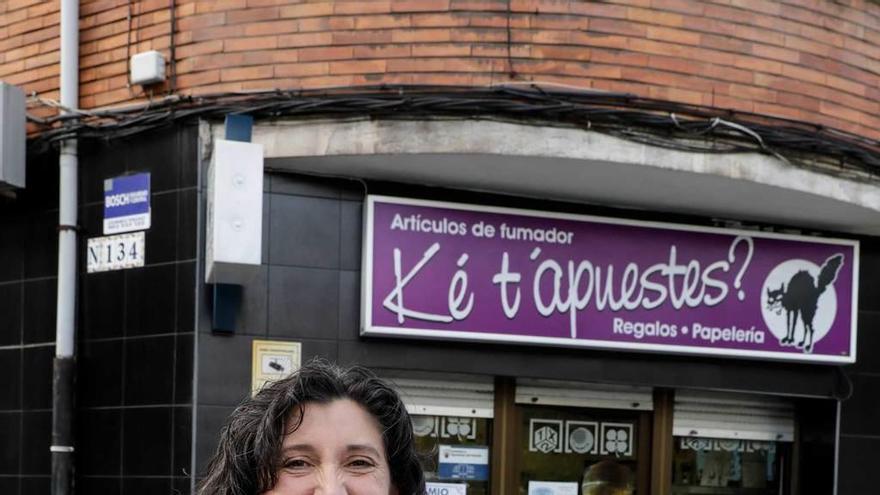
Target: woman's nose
<point>331,482</point>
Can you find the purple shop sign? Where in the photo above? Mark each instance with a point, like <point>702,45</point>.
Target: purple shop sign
<point>465,272</point>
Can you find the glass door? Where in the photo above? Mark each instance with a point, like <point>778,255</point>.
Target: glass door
<point>715,466</point>
<point>581,451</point>
<point>454,453</point>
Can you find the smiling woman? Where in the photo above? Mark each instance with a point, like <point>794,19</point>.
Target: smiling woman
<point>322,430</point>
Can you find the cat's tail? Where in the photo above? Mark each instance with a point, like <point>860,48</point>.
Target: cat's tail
<point>828,272</point>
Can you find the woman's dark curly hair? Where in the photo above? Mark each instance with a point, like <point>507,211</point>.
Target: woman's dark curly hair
<point>250,443</point>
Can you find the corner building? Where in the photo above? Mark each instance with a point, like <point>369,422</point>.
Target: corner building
<point>663,171</point>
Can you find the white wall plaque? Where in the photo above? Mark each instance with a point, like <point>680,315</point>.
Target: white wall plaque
<point>115,252</point>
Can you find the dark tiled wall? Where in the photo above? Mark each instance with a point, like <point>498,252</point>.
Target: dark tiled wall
<point>302,292</point>
<point>860,413</point>
<point>308,290</point>
<point>134,327</point>
<point>28,257</point>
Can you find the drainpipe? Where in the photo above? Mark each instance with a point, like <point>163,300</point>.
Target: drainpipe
<point>64,364</point>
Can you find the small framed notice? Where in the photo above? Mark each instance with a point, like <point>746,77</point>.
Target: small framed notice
<point>273,360</point>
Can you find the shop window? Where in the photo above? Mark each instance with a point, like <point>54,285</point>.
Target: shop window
<point>715,466</point>
<point>574,451</point>
<point>455,450</point>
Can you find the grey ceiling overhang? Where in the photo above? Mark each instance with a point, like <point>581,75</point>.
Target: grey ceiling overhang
<point>574,165</point>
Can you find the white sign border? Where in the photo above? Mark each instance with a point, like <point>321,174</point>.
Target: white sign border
<point>368,329</point>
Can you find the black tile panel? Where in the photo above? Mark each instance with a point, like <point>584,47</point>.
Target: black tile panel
<point>91,224</point>
<point>188,149</point>
<point>35,485</point>
<point>187,223</point>
<point>868,345</point>
<point>149,370</point>
<point>40,305</point>
<point>304,185</point>
<point>99,370</point>
<point>10,313</point>
<point>182,451</point>
<point>11,245</point>
<point>186,297</point>
<point>99,485</point>
<point>181,485</point>
<point>303,302</point>
<point>597,366</point>
<point>304,231</point>
<point>324,349</point>
<point>37,377</point>
<point>160,241</point>
<point>156,153</point>
<point>210,420</point>
<point>150,300</point>
<point>857,465</point>
<point>10,379</point>
<point>41,244</point>
<point>266,231</point>
<point>183,369</point>
<point>349,305</point>
<point>98,162</point>
<point>10,442</point>
<point>353,190</point>
<point>99,439</point>
<point>254,308</point>
<point>869,274</point>
<point>146,441</point>
<point>9,485</point>
<point>224,369</point>
<point>350,235</point>
<point>860,411</point>
<point>102,300</point>
<point>145,486</point>
<point>42,193</point>
<point>36,434</point>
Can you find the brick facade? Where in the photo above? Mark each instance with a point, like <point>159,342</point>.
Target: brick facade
<point>809,60</point>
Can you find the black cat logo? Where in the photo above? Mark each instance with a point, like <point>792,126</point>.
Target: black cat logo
<point>800,299</point>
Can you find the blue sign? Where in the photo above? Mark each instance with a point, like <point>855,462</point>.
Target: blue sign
<point>127,203</point>
<point>463,463</point>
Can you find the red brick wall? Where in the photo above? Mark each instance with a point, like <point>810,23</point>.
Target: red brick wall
<point>812,60</point>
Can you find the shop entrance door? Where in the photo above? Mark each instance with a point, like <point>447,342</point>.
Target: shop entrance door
<point>581,451</point>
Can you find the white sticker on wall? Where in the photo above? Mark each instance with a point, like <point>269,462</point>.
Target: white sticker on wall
<point>463,462</point>
<point>581,437</point>
<point>455,427</point>
<point>424,426</point>
<point>617,439</point>
<point>545,435</point>
<point>273,360</point>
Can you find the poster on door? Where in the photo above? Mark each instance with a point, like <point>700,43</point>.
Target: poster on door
<point>457,462</point>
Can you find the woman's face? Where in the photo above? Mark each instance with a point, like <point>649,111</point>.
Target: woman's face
<point>337,450</point>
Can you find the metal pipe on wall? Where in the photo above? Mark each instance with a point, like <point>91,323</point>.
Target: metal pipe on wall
<point>64,365</point>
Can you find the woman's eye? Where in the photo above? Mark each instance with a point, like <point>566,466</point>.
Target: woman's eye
<point>361,463</point>
<point>295,464</point>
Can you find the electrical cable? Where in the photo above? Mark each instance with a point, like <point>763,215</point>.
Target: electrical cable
<point>626,116</point>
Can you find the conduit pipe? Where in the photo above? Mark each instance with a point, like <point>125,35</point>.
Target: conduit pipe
<point>64,366</point>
